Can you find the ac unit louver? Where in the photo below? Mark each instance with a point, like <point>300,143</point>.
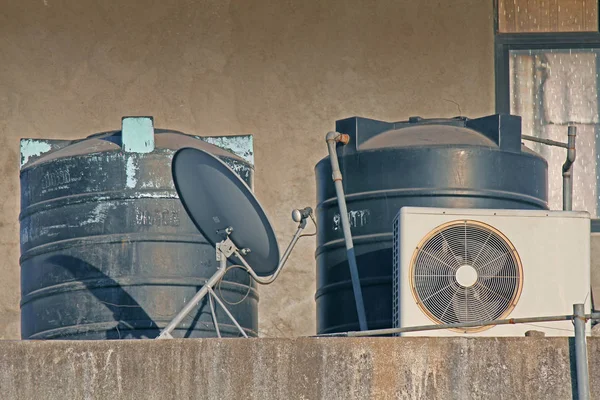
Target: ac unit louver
<point>458,265</point>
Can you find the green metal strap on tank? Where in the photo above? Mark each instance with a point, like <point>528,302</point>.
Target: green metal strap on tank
<point>137,134</point>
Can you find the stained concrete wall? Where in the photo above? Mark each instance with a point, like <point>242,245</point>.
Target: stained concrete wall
<point>310,369</point>
<point>281,70</point>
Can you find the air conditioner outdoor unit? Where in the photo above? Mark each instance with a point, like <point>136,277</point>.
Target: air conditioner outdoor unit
<point>468,265</point>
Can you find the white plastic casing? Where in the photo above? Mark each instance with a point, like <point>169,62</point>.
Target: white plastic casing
<point>554,248</point>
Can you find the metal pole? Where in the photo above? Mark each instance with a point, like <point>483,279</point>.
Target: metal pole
<point>166,332</point>
<point>332,138</point>
<point>567,192</point>
<point>581,363</point>
<point>212,293</point>
<point>511,321</point>
<point>214,315</point>
<point>545,141</point>
<point>567,170</point>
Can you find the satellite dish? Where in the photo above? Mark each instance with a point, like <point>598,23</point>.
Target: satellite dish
<point>215,198</point>
<point>226,212</point>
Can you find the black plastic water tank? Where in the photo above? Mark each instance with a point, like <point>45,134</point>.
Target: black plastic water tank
<point>108,251</point>
<point>457,163</point>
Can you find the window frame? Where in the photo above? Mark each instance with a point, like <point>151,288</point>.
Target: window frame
<point>504,43</point>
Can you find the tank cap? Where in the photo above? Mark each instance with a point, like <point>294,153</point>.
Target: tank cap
<point>137,134</point>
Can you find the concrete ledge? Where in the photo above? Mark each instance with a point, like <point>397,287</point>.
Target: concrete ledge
<point>305,368</point>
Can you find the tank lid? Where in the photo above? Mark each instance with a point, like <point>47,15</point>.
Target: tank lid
<point>499,130</point>
<point>137,134</point>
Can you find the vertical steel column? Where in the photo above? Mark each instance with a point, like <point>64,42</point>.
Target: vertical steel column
<point>581,363</point>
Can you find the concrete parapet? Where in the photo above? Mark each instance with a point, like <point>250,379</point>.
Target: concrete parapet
<point>303,368</point>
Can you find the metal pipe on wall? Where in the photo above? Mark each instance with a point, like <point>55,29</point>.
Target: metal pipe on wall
<point>567,168</point>
<point>544,141</point>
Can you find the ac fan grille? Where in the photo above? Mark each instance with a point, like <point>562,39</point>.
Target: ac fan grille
<point>494,289</point>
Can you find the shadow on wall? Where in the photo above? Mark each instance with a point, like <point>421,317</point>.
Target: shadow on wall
<point>68,296</point>
<point>91,306</point>
<point>103,309</point>
<point>113,305</point>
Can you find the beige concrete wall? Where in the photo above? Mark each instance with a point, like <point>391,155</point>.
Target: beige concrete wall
<point>281,70</point>
<point>309,369</point>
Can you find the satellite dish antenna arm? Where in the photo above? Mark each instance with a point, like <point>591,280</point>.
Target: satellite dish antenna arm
<point>299,216</point>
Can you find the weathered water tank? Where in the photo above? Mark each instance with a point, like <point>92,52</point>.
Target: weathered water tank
<point>107,249</point>
<point>460,163</point>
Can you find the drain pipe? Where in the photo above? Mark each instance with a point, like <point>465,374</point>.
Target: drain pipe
<point>567,170</point>
<point>332,139</point>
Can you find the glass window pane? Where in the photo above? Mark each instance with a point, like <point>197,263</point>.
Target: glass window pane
<point>551,89</point>
<point>515,16</point>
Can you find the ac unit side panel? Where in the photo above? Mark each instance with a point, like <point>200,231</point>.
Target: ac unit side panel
<point>555,257</point>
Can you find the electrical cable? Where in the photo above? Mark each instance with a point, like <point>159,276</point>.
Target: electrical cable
<point>221,280</point>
